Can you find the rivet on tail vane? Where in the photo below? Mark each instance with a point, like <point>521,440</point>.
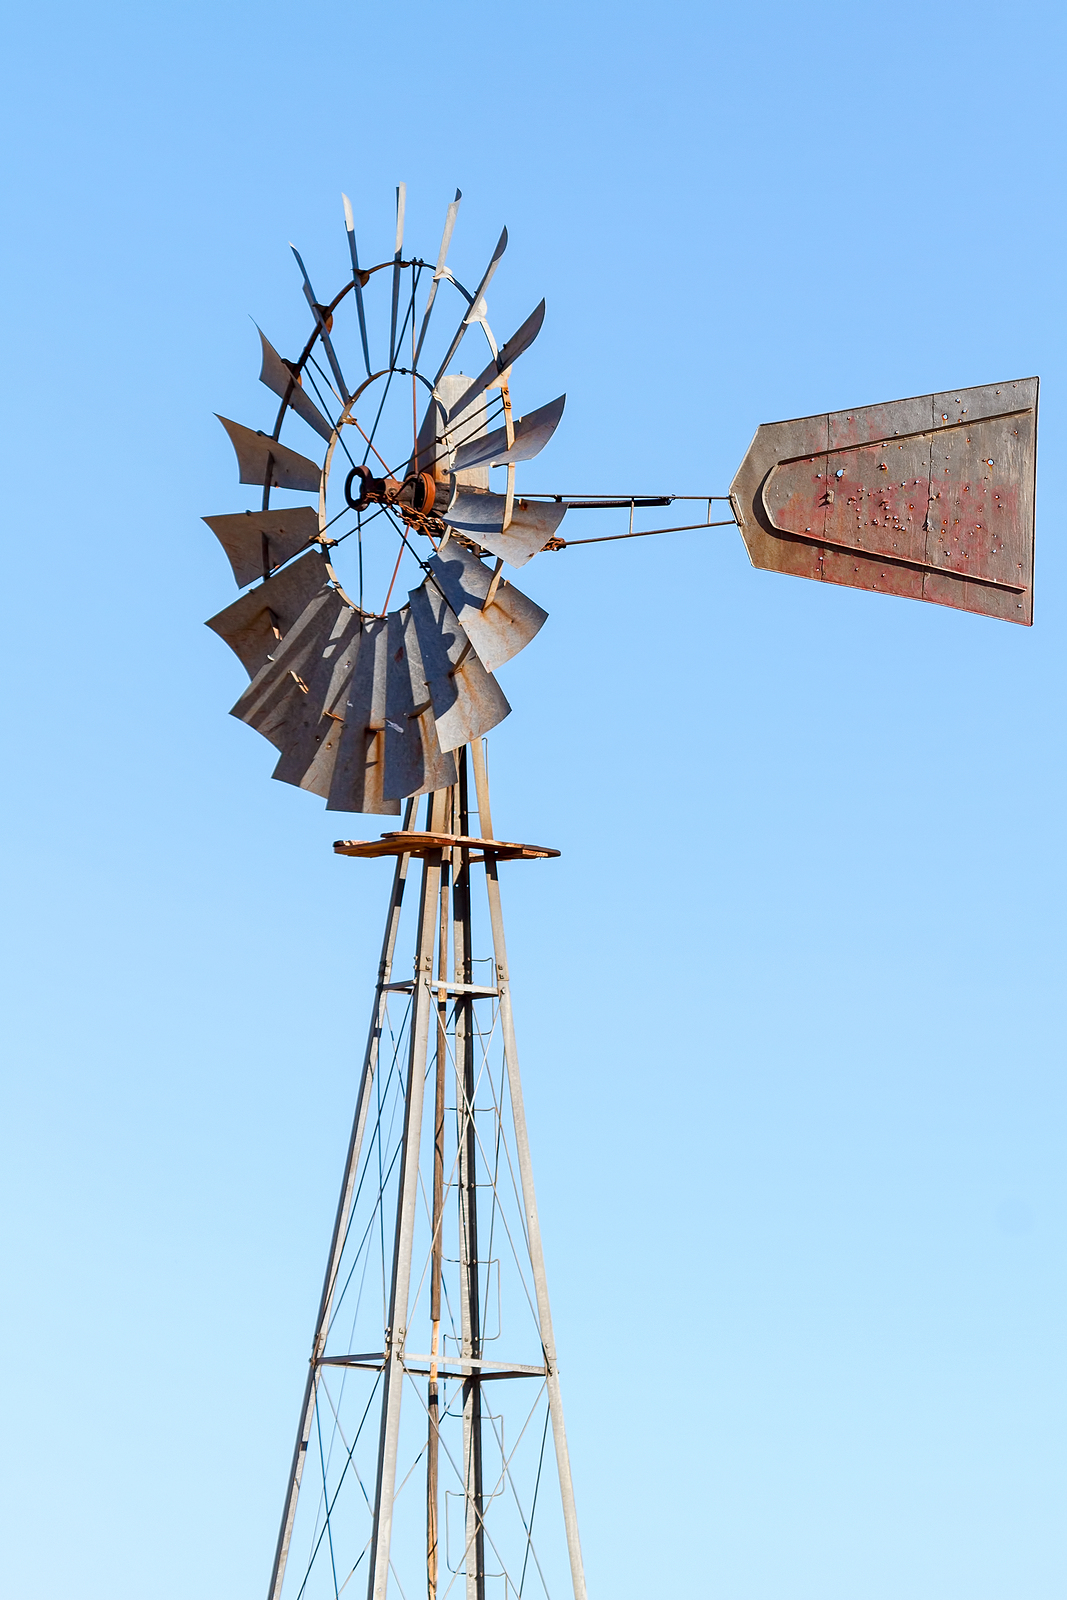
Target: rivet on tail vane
<point>256,542</point>
<point>267,463</point>
<point>286,385</point>
<point>930,498</point>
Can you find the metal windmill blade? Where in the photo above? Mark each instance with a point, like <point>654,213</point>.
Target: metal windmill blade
<point>258,542</point>
<point>417,682</point>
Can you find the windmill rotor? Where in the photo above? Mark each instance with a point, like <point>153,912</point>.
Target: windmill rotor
<point>350,727</point>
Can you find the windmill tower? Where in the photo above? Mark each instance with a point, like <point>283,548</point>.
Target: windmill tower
<point>431,1453</point>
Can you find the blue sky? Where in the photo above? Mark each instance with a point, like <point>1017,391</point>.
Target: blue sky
<point>791,1000</point>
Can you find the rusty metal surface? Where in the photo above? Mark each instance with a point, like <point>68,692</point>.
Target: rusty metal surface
<point>931,498</point>
<point>287,386</point>
<point>480,516</point>
<point>241,535</point>
<point>467,700</point>
<point>253,624</point>
<point>275,693</point>
<point>415,843</point>
<point>257,451</point>
<point>359,764</point>
<point>312,733</point>
<point>414,760</point>
<point>521,340</point>
<point>532,433</point>
<point>505,626</point>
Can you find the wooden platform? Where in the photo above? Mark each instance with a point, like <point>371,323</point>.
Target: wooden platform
<point>422,844</point>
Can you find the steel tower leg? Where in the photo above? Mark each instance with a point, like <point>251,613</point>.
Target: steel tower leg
<point>422,1005</point>
<point>529,1199</point>
<point>470,1263</point>
<point>340,1227</point>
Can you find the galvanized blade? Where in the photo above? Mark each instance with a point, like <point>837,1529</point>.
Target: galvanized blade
<point>401,199</point>
<point>501,246</point>
<point>480,516</point>
<point>467,702</point>
<point>501,629</point>
<point>414,761</point>
<point>272,699</point>
<point>439,272</point>
<point>324,332</point>
<point>312,735</point>
<point>359,767</point>
<point>286,385</point>
<point>264,461</point>
<point>357,278</point>
<point>532,433</point>
<point>256,542</point>
<point>438,441</point>
<point>253,625</point>
<point>509,353</point>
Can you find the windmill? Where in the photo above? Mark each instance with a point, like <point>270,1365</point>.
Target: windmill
<point>431,1454</point>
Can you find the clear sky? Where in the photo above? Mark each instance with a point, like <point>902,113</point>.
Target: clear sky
<point>791,1002</point>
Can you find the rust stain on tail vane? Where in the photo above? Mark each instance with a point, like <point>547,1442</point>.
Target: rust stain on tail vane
<point>931,498</point>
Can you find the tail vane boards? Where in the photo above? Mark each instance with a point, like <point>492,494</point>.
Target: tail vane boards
<point>931,498</point>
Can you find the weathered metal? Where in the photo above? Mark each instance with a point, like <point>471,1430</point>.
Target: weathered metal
<point>357,780</point>
<point>414,760</point>
<point>479,515</point>
<point>931,498</point>
<point>312,733</point>
<point>467,700</point>
<point>279,688</point>
<point>530,434</point>
<point>474,302</point>
<point>284,381</point>
<point>269,464</point>
<point>257,542</point>
<point>521,340</point>
<point>254,624</point>
<point>497,630</point>
<point>419,844</point>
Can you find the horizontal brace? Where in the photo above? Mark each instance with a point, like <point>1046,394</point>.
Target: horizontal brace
<point>467,1364</point>
<point>436,985</point>
<point>485,1377</point>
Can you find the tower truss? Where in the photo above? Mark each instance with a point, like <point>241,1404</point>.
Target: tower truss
<point>431,1455</point>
